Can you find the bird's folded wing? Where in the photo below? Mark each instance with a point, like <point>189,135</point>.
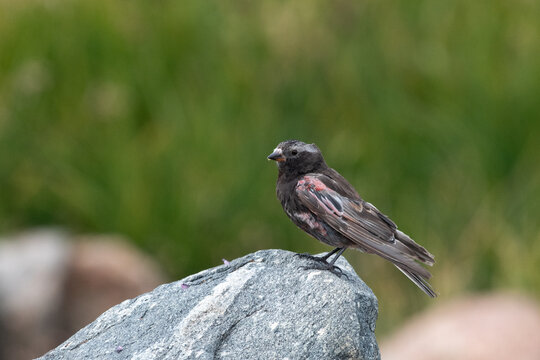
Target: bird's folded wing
<point>359,221</point>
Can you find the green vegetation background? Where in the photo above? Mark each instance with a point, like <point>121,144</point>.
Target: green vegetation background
<point>153,119</point>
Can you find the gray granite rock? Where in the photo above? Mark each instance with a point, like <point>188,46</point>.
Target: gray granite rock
<point>262,306</point>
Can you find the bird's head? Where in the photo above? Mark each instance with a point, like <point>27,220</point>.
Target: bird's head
<point>296,158</point>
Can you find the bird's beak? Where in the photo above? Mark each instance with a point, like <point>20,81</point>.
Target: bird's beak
<point>277,155</point>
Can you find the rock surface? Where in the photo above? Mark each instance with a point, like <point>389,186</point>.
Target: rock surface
<point>261,306</point>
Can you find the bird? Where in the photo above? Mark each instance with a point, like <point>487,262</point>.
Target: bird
<point>325,205</point>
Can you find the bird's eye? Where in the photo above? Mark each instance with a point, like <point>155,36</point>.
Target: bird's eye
<point>294,152</point>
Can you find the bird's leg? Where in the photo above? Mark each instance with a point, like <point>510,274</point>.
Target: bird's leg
<point>339,252</point>
<point>333,268</point>
<point>317,258</point>
<point>330,253</point>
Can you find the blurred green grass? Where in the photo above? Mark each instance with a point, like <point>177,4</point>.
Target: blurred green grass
<point>153,120</point>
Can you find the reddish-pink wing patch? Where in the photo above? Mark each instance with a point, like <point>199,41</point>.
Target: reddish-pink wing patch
<point>311,183</point>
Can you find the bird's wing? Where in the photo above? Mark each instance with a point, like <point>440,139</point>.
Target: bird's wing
<point>317,192</point>
<point>357,220</point>
<point>340,184</point>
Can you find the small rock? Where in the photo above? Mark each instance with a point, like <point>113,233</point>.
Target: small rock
<point>33,268</point>
<point>492,326</point>
<point>103,271</point>
<point>52,284</point>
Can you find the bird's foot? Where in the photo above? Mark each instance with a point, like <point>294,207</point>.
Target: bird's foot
<point>336,270</point>
<point>332,268</point>
<point>321,264</point>
<point>312,257</point>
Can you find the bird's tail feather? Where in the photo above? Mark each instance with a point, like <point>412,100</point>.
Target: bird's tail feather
<point>417,251</point>
<point>419,279</point>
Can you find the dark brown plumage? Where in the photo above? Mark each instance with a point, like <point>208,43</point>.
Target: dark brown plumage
<point>322,203</point>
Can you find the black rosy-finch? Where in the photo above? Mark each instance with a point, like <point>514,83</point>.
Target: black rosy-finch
<point>323,204</point>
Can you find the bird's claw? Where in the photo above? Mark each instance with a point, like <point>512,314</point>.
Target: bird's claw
<point>337,271</point>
